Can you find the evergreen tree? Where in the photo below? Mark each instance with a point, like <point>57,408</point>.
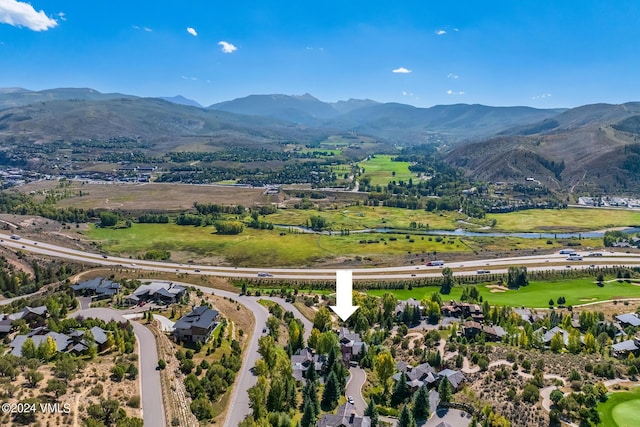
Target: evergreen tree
<point>444,390</point>
<point>421,404</point>
<point>331,392</point>
<point>372,412</point>
<point>401,391</point>
<point>308,415</point>
<point>406,419</point>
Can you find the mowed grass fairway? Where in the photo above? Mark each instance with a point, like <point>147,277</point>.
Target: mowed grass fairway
<point>620,410</point>
<point>564,220</point>
<point>380,169</point>
<point>263,247</point>
<point>536,295</point>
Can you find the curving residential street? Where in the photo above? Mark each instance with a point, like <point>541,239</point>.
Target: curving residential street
<point>150,389</point>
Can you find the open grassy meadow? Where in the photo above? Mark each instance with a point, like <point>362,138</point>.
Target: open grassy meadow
<point>367,217</point>
<point>264,247</point>
<point>620,410</point>
<point>564,220</point>
<point>381,170</point>
<point>536,295</point>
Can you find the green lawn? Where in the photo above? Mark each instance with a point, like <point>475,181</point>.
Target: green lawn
<point>537,294</point>
<point>620,410</point>
<point>381,168</point>
<point>564,220</point>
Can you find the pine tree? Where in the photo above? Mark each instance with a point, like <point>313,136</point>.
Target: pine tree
<point>372,412</point>
<point>406,419</point>
<point>444,390</point>
<point>331,392</point>
<point>421,404</point>
<point>308,415</point>
<point>401,391</point>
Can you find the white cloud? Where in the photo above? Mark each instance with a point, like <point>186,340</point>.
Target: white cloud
<point>62,16</point>
<point>147,29</point>
<point>192,31</point>
<point>441,32</point>
<point>542,96</point>
<point>227,47</point>
<point>452,76</point>
<point>401,70</point>
<point>451,92</point>
<point>20,14</point>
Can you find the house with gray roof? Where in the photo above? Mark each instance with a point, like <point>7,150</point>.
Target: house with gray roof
<point>301,362</point>
<point>546,335</point>
<point>100,288</point>
<point>196,325</point>
<point>455,378</point>
<point>628,319</point>
<point>345,416</point>
<point>72,342</point>
<point>163,292</point>
<point>423,373</point>
<point>30,313</point>
<point>624,348</point>
<point>407,303</point>
<point>350,344</point>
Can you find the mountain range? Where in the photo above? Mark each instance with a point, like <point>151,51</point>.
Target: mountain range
<point>588,148</point>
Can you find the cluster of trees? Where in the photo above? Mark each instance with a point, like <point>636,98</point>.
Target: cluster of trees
<point>23,204</point>
<point>317,172</point>
<point>149,218</point>
<point>317,223</point>
<point>517,277</point>
<point>108,412</point>
<point>210,380</point>
<point>229,227</point>
<point>579,407</point>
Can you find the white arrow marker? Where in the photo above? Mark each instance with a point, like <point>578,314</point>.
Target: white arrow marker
<point>344,307</point>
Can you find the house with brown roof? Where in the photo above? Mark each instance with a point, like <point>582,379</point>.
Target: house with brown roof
<point>472,329</point>
<point>350,344</point>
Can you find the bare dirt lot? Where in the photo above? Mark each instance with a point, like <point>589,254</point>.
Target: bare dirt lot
<point>151,196</point>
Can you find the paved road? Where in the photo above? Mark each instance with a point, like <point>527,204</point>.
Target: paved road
<point>554,261</point>
<point>151,391</point>
<point>357,378</point>
<point>239,407</point>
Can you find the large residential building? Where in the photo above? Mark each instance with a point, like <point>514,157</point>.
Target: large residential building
<point>101,288</point>
<point>301,362</point>
<point>161,292</point>
<point>74,342</point>
<point>345,416</point>
<point>31,315</point>
<point>196,325</point>
<point>350,344</point>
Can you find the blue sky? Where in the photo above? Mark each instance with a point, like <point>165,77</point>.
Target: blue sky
<point>540,53</point>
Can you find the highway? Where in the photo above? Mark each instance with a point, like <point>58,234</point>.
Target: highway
<point>239,406</point>
<point>555,261</point>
